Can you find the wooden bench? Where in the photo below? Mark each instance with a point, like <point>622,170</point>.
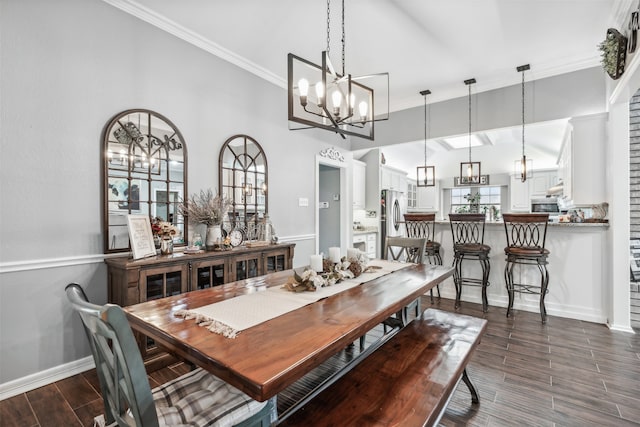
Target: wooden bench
<point>407,382</point>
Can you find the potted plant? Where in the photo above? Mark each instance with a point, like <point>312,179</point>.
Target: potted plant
<point>614,53</point>
<point>209,209</point>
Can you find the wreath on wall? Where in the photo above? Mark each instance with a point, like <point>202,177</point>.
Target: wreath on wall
<point>614,53</point>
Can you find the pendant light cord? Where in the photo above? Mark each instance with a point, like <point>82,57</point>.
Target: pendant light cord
<point>523,113</point>
<point>469,123</point>
<point>425,134</point>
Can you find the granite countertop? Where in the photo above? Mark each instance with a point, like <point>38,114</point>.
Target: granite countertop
<point>366,230</point>
<point>551,224</point>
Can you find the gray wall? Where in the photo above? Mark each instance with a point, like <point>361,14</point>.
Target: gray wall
<point>66,68</point>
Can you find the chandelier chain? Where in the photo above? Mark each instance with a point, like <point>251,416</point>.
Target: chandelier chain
<point>343,39</point>
<point>328,26</point>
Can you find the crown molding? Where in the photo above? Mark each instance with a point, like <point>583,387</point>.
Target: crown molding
<point>172,27</point>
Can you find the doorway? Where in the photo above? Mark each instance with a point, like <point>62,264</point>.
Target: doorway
<point>332,205</point>
<point>328,208</point>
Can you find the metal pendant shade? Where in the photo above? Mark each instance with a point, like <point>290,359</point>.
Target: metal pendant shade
<point>524,166</point>
<point>469,171</point>
<point>426,175</point>
<point>321,97</point>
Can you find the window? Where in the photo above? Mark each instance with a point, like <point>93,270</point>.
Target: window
<point>458,201</point>
<point>487,197</point>
<point>412,197</point>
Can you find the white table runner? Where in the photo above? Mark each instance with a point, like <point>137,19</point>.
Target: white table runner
<point>233,315</point>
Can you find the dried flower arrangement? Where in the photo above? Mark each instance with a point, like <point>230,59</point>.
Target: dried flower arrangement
<point>205,208</point>
<point>332,273</point>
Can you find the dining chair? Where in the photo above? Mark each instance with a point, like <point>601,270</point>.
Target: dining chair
<point>197,398</point>
<point>404,249</point>
<point>420,224</point>
<point>526,236</point>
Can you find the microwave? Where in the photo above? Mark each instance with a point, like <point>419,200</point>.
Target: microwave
<point>545,205</point>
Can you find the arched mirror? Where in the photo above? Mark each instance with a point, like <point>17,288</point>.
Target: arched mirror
<point>243,178</point>
<point>144,172</point>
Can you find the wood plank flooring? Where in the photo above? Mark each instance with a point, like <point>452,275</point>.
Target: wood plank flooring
<point>563,373</point>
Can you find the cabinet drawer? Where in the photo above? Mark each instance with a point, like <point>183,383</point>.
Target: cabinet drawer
<point>359,238</point>
<point>371,238</point>
<point>371,247</point>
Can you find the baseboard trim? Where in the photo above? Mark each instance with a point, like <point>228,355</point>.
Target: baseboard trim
<point>42,378</point>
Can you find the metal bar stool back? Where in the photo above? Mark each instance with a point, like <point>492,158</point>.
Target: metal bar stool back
<point>422,225</point>
<point>467,230</point>
<point>526,237</point>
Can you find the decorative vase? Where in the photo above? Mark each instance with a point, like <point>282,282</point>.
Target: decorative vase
<point>166,246</point>
<point>157,241</point>
<point>214,236</point>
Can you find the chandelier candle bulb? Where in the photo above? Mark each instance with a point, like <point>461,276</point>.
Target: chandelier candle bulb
<point>316,263</point>
<point>334,254</point>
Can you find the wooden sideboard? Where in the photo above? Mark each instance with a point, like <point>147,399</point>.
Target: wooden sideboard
<point>133,281</point>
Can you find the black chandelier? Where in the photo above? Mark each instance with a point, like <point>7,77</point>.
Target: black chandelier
<point>320,97</point>
<point>470,171</point>
<point>426,175</point>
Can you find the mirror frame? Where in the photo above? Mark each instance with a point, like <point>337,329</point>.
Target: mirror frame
<point>264,188</point>
<point>129,174</point>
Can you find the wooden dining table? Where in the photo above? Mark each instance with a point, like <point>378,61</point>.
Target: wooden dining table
<point>265,359</point>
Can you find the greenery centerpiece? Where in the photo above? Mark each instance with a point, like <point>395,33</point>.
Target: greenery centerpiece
<point>209,209</point>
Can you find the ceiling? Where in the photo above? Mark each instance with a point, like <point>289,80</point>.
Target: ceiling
<point>422,44</point>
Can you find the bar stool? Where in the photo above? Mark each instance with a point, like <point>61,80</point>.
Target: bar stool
<point>526,236</point>
<point>422,225</point>
<point>468,243</point>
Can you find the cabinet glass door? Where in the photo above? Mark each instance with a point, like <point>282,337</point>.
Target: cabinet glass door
<point>246,267</point>
<point>157,283</point>
<point>207,274</point>
<point>275,261</point>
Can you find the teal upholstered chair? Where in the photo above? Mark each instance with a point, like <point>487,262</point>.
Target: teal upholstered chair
<point>197,398</point>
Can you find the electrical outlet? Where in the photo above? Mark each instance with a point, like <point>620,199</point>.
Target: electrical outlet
<point>323,205</point>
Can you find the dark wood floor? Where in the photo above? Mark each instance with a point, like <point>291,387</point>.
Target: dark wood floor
<point>563,373</point>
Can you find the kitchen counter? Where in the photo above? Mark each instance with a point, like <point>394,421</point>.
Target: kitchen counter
<point>365,230</point>
<point>578,283</point>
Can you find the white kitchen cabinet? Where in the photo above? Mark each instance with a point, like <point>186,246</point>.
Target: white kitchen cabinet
<point>359,184</point>
<point>541,181</point>
<point>582,161</point>
<point>428,198</point>
<point>367,243</point>
<point>393,179</point>
<point>520,200</point>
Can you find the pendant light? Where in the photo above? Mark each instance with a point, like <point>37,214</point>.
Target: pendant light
<point>469,171</point>
<point>523,167</point>
<point>426,175</point>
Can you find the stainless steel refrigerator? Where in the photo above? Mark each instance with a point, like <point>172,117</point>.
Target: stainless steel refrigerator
<point>393,206</point>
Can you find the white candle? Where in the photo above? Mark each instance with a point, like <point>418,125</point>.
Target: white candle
<point>334,254</point>
<point>316,263</point>
<point>352,253</point>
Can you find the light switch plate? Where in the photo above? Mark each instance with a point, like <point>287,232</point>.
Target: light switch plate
<point>323,205</point>
<point>303,201</point>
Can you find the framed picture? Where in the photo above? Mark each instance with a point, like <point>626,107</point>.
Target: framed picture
<point>140,236</point>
